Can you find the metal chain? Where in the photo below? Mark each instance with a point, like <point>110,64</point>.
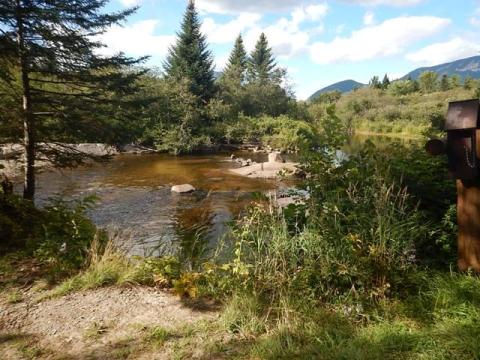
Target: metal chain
<point>469,161</point>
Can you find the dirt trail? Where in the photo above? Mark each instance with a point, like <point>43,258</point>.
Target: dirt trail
<point>93,324</point>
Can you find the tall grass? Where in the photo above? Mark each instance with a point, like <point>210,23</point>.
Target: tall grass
<point>109,264</point>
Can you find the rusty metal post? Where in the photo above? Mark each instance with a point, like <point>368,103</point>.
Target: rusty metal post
<point>462,147</point>
<point>468,218</point>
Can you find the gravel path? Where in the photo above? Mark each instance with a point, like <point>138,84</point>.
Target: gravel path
<point>68,325</point>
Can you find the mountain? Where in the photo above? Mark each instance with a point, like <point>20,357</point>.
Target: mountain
<point>463,68</point>
<point>342,86</point>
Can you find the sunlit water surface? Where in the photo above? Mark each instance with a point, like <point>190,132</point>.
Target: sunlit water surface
<point>134,193</point>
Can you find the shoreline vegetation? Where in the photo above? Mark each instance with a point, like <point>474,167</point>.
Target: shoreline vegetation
<point>363,267</point>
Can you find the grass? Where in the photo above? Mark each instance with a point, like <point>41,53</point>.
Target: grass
<point>157,336</point>
<point>14,296</point>
<point>96,330</point>
<point>109,266</point>
<point>381,112</point>
<point>440,322</point>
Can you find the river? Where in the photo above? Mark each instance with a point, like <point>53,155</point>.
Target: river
<point>134,196</point>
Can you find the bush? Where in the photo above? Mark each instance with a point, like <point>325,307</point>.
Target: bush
<point>281,133</point>
<point>66,235</point>
<point>19,222</point>
<point>59,235</point>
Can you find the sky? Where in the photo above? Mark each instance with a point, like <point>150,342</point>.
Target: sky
<point>319,42</point>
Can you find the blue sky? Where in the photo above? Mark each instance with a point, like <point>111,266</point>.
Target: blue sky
<point>318,42</point>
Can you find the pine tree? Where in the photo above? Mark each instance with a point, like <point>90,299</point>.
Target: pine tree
<point>262,64</point>
<point>50,46</point>
<point>236,67</point>
<point>189,58</point>
<point>385,82</point>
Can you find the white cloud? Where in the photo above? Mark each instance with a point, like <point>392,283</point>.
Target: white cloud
<point>397,3</point>
<point>284,36</point>
<point>129,3</point>
<point>438,53</point>
<point>475,19</point>
<point>391,37</point>
<point>138,39</point>
<point>368,18</point>
<point>258,6</point>
<point>226,33</point>
<point>261,6</point>
<point>281,38</point>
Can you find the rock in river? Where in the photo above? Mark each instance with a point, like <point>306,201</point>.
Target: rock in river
<point>183,189</point>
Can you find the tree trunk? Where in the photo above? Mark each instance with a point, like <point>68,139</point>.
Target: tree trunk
<point>28,121</point>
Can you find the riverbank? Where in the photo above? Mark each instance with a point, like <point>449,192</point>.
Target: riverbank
<point>143,322</point>
<point>11,155</point>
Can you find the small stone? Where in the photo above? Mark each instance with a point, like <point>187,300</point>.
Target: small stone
<point>183,189</point>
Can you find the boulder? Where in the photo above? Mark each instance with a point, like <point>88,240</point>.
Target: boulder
<point>183,189</point>
<point>275,157</point>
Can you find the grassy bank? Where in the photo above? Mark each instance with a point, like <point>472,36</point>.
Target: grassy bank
<point>384,111</point>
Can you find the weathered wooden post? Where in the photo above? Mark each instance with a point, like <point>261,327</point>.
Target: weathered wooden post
<point>462,147</point>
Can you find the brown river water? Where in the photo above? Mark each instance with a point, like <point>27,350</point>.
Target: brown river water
<point>134,196</point>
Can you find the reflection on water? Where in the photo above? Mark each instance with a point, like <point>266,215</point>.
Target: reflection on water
<point>355,143</point>
<point>134,193</point>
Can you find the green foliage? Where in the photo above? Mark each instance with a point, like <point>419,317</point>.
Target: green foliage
<point>174,122</point>
<point>190,59</point>
<point>468,83</point>
<point>58,235</point>
<point>330,97</point>
<point>375,83</point>
<point>401,110</point>
<point>385,82</point>
<point>66,236</point>
<point>236,67</point>
<point>445,84</point>
<point>281,133</point>
<point>428,81</point>
<point>403,87</point>
<point>19,222</point>
<point>261,66</point>
<point>108,265</point>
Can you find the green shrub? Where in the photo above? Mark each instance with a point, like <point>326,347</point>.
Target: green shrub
<point>281,133</point>
<point>19,222</point>
<point>58,235</point>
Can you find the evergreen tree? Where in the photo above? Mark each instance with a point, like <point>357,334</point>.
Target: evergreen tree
<point>49,54</point>
<point>237,62</point>
<point>385,82</point>
<point>190,59</point>
<point>261,66</point>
